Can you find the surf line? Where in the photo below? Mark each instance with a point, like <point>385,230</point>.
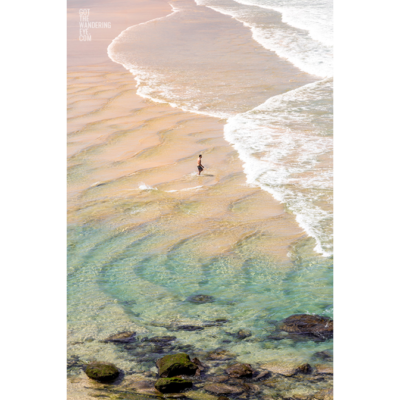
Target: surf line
<point>299,218</point>
<point>174,10</point>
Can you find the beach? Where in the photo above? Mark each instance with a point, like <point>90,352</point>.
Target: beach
<point>145,232</point>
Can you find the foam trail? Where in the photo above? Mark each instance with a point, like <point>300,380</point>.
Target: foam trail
<point>292,44</point>
<point>184,190</point>
<point>109,48</point>
<point>143,186</point>
<point>313,16</point>
<point>281,149</point>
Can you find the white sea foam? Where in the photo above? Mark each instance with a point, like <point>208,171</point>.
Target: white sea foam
<point>282,141</point>
<point>281,148</point>
<point>314,16</point>
<point>143,186</point>
<point>303,40</point>
<point>184,190</point>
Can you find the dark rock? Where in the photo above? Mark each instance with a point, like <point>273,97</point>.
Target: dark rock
<point>243,334</point>
<point>223,398</point>
<point>263,375</point>
<point>74,362</point>
<point>102,372</point>
<point>304,369</point>
<point>227,341</point>
<point>172,385</point>
<point>184,347</point>
<point>176,364</point>
<point>161,339</point>
<point>217,322</point>
<point>188,328</point>
<point>324,355</point>
<point>220,354</point>
<point>222,388</point>
<point>200,299</point>
<point>313,326</point>
<point>201,366</point>
<point>122,337</point>
<point>240,371</point>
<point>159,349</point>
<point>277,336</point>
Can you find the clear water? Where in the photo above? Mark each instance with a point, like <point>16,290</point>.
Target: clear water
<point>267,73</point>
<point>125,280</point>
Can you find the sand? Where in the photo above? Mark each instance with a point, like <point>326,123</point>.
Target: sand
<point>132,162</point>
<point>120,144</point>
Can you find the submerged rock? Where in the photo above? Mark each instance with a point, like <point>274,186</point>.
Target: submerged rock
<point>243,334</point>
<point>324,369</point>
<point>188,328</point>
<point>172,385</point>
<point>222,388</point>
<point>240,371</point>
<point>102,372</point>
<point>217,322</point>
<point>200,299</point>
<point>325,394</point>
<point>263,375</point>
<point>313,326</point>
<point>218,378</point>
<point>304,369</point>
<point>122,337</point>
<point>325,355</point>
<point>176,364</point>
<point>220,354</point>
<point>160,339</point>
<point>281,369</point>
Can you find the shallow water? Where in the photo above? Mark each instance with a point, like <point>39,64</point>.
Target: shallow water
<point>145,232</point>
<point>258,64</point>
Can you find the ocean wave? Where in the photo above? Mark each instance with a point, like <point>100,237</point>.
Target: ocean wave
<point>282,148</point>
<point>293,42</point>
<point>286,142</point>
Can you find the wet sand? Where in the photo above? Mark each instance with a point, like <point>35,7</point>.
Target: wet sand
<point>132,162</point>
<point>120,14</point>
<point>120,143</point>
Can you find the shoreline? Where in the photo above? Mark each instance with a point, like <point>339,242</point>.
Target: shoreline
<point>131,168</point>
<point>120,15</point>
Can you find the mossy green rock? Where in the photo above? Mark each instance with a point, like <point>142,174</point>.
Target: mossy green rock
<point>102,372</point>
<point>176,364</point>
<point>172,385</point>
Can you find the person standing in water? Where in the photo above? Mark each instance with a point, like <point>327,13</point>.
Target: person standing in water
<point>200,167</point>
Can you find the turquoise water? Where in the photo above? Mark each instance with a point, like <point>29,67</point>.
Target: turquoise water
<point>128,280</point>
